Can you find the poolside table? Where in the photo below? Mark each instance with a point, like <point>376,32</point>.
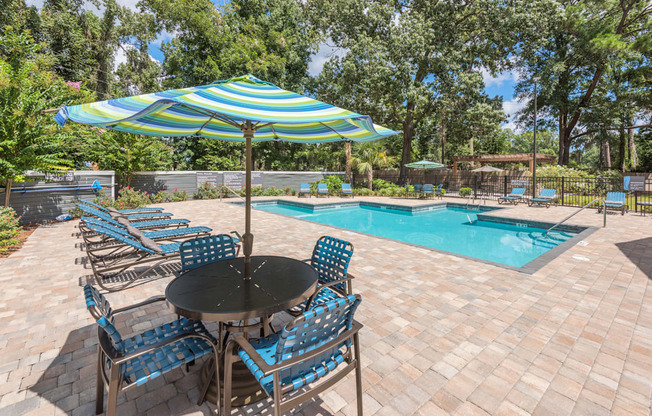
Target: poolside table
<point>644,205</point>
<point>219,292</point>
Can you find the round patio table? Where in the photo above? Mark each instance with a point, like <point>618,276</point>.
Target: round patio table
<point>220,292</point>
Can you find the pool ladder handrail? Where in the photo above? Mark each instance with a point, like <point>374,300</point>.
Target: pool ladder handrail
<point>604,221</point>
<point>468,201</point>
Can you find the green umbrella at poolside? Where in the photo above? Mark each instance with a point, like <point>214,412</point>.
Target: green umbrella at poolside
<point>424,164</point>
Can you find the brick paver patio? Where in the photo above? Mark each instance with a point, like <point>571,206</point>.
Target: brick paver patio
<point>443,334</point>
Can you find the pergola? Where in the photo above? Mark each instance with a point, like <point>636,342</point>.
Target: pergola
<point>513,158</point>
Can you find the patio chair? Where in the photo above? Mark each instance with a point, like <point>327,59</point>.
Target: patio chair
<point>304,189</point>
<point>208,249</point>
<point>546,197</point>
<point>132,217</point>
<point>330,258</point>
<point>346,190</point>
<point>119,211</point>
<point>124,363</point>
<point>417,189</point>
<point>428,190</point>
<point>514,197</point>
<point>136,224</point>
<point>615,201</point>
<point>315,345</point>
<point>439,191</point>
<point>129,252</point>
<point>100,241</point>
<point>322,189</point>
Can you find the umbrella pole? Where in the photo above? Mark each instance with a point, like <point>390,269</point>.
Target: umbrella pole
<point>248,237</point>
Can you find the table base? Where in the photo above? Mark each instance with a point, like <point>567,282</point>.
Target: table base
<point>245,389</point>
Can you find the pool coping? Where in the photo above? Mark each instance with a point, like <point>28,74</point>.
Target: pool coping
<point>582,231</point>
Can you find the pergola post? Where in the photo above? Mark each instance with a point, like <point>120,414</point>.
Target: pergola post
<point>531,162</point>
<point>454,165</point>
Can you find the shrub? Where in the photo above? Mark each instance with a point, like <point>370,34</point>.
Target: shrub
<point>178,195</point>
<point>207,191</point>
<point>333,182</point>
<point>161,196</point>
<point>289,191</point>
<point>464,192</point>
<point>440,192</point>
<point>363,192</point>
<point>129,198</point>
<point>9,229</point>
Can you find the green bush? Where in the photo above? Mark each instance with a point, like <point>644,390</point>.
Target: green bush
<point>129,198</point>
<point>207,191</point>
<point>9,229</point>
<point>363,192</point>
<point>464,192</point>
<point>178,196</point>
<point>440,192</point>
<point>333,182</point>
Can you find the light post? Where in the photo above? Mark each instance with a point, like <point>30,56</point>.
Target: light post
<point>534,153</point>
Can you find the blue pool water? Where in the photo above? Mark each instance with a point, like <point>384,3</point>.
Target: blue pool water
<point>449,229</point>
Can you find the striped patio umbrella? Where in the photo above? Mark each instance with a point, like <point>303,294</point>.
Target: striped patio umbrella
<point>424,164</point>
<point>241,109</point>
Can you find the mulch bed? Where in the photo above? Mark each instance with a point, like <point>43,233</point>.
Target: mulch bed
<point>22,237</point>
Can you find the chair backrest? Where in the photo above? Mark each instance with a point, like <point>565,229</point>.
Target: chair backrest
<point>346,187</point>
<point>87,209</point>
<point>441,185</point>
<point>126,239</point>
<point>305,187</point>
<point>417,187</point>
<point>101,310</point>
<point>104,224</point>
<point>518,191</point>
<point>322,187</point>
<point>313,329</point>
<point>428,188</point>
<point>547,193</point>
<point>615,197</point>
<point>331,257</point>
<point>92,204</point>
<point>204,250</point>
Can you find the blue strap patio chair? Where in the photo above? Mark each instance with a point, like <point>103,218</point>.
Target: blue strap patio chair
<point>330,258</point>
<point>546,197</point>
<point>141,225</point>
<point>428,190</point>
<point>615,201</point>
<point>304,189</point>
<point>132,217</point>
<point>439,191</point>
<point>514,197</point>
<point>129,253</point>
<point>321,342</point>
<point>322,189</point>
<point>208,249</point>
<point>346,190</point>
<point>120,211</point>
<point>125,363</point>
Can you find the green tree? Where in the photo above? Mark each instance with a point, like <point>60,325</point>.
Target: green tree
<point>29,140</point>
<point>370,156</point>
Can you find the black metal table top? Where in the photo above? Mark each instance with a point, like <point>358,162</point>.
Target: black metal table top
<point>219,291</point>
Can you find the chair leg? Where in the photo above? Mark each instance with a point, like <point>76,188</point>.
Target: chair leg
<point>114,386</point>
<point>277,394</point>
<point>99,384</point>
<point>228,367</point>
<point>358,374</point>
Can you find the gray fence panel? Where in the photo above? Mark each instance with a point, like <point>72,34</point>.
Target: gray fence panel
<point>153,182</point>
<point>294,179</point>
<point>43,206</point>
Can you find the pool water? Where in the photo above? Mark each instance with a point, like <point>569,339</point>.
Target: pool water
<point>449,229</point>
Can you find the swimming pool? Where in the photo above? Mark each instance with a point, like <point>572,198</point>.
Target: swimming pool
<point>450,229</point>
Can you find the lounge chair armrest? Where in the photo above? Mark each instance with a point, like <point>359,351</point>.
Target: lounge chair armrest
<point>237,234</point>
<point>160,344</point>
<point>614,202</point>
<point>334,282</point>
<point>138,305</point>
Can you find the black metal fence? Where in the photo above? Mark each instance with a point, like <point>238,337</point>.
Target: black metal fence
<point>570,191</point>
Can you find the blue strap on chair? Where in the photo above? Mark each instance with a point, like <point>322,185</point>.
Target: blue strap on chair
<point>330,258</point>
<point>203,250</point>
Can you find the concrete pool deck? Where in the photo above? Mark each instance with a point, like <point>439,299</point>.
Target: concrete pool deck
<point>443,334</point>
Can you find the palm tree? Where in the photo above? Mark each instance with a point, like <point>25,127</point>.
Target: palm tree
<point>369,156</point>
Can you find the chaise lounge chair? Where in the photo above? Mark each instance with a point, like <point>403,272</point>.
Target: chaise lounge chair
<point>141,225</point>
<point>546,197</point>
<point>346,190</point>
<point>514,197</point>
<point>322,189</point>
<point>304,189</point>
<point>615,201</point>
<point>131,217</point>
<point>119,211</point>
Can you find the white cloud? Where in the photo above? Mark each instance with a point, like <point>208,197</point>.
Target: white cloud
<point>511,107</point>
<point>324,53</point>
<point>499,79</point>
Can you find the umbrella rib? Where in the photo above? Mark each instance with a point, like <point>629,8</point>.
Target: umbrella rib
<point>333,130</point>
<point>213,114</point>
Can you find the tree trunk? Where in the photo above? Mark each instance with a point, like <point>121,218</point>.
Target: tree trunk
<point>633,157</point>
<point>443,137</point>
<point>8,192</point>
<point>622,159</point>
<point>370,177</point>
<point>607,155</point>
<point>408,132</point>
<point>347,147</point>
<point>471,148</point>
<point>562,143</point>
